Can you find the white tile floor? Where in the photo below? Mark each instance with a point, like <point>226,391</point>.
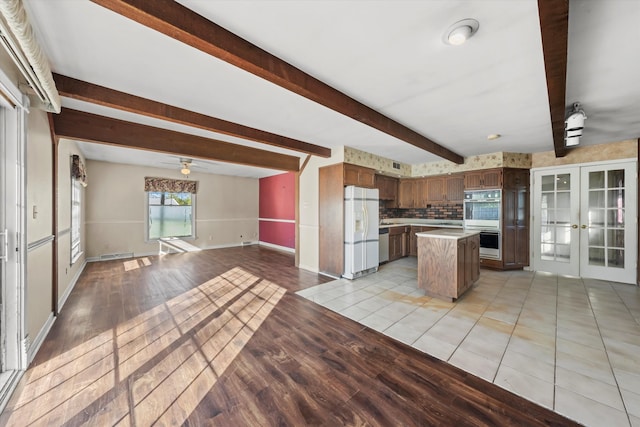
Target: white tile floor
<point>570,344</point>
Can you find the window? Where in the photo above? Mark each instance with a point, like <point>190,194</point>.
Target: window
<point>170,215</point>
<point>76,218</point>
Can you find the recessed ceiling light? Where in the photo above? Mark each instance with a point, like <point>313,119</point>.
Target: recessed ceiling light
<point>493,136</point>
<point>460,32</point>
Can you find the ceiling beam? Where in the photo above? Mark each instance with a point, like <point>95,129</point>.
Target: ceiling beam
<point>181,23</point>
<point>78,125</point>
<point>554,28</point>
<point>89,92</point>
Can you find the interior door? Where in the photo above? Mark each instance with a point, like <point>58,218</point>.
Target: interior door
<point>4,250</point>
<point>555,221</point>
<point>584,221</point>
<point>608,238</point>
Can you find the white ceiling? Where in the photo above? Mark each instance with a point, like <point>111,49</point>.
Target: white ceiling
<point>388,55</point>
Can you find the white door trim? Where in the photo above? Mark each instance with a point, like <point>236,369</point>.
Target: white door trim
<point>13,113</point>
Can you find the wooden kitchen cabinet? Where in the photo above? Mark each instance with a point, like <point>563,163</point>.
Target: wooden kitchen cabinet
<point>412,193</point>
<point>332,180</point>
<point>406,193</point>
<point>454,188</point>
<point>388,190</point>
<point>398,242</point>
<point>515,219</point>
<point>514,226</point>
<point>445,189</point>
<point>483,179</point>
<point>413,239</point>
<point>359,176</point>
<point>448,267</point>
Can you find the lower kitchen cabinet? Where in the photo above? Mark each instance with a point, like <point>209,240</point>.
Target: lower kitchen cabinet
<point>413,239</point>
<point>398,245</point>
<point>448,267</point>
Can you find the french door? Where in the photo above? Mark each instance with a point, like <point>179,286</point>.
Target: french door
<point>584,221</point>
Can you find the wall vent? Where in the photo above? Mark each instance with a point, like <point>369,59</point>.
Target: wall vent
<point>123,255</point>
<point>396,165</point>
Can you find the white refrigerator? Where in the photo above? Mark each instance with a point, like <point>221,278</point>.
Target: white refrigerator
<point>360,231</point>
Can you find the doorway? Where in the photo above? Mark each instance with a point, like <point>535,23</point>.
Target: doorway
<point>13,355</point>
<point>584,220</point>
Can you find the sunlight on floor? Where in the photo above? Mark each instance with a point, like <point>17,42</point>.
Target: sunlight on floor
<point>171,245</point>
<point>154,368</point>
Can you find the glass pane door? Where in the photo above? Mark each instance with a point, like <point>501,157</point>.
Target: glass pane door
<point>608,240</point>
<point>555,219</point>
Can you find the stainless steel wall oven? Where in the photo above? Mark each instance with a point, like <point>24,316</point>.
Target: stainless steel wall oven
<point>482,211</point>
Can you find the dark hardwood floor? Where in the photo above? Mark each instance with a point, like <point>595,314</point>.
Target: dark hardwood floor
<point>218,337</point>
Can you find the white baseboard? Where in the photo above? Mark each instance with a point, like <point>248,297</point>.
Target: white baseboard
<point>37,342</point>
<point>277,247</point>
<point>308,268</point>
<point>142,254</point>
<point>63,298</point>
<point>8,382</point>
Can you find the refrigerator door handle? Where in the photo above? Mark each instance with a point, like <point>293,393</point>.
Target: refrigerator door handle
<point>366,221</point>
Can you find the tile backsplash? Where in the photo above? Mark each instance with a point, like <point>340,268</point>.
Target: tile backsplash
<point>452,211</point>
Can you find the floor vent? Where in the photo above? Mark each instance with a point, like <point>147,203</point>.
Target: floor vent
<point>123,255</point>
<point>247,243</point>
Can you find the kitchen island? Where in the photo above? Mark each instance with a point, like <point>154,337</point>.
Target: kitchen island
<point>448,262</point>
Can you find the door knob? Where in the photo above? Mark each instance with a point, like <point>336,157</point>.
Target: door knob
<point>583,226</point>
<point>574,226</point>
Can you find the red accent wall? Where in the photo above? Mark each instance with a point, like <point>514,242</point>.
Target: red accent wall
<point>277,202</point>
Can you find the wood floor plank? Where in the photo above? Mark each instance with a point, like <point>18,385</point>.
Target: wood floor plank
<point>219,338</point>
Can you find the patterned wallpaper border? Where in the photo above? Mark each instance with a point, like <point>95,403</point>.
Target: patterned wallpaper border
<point>483,161</point>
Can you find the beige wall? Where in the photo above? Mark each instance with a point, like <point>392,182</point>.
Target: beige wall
<point>309,210</point>
<point>226,209</point>
<point>592,153</point>
<point>39,197</point>
<point>67,272</point>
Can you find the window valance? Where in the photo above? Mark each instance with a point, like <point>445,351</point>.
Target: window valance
<point>170,185</point>
<point>78,171</point>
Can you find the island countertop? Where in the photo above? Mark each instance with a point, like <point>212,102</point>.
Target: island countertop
<point>449,233</point>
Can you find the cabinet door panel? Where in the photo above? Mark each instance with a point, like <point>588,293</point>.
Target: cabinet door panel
<point>492,179</point>
<point>435,189</point>
<point>454,186</point>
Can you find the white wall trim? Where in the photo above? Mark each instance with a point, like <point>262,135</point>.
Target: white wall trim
<point>226,219</point>
<point>277,247</point>
<point>289,221</point>
<point>155,253</point>
<point>308,268</point>
<point>8,385</point>
<point>72,284</point>
<point>39,243</point>
<point>37,342</point>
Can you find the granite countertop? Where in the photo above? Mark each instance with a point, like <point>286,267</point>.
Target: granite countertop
<point>448,233</point>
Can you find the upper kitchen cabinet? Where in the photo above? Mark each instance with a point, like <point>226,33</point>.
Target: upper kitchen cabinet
<point>483,179</point>
<point>446,188</point>
<point>412,193</point>
<point>406,193</point>
<point>388,189</point>
<point>359,176</point>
